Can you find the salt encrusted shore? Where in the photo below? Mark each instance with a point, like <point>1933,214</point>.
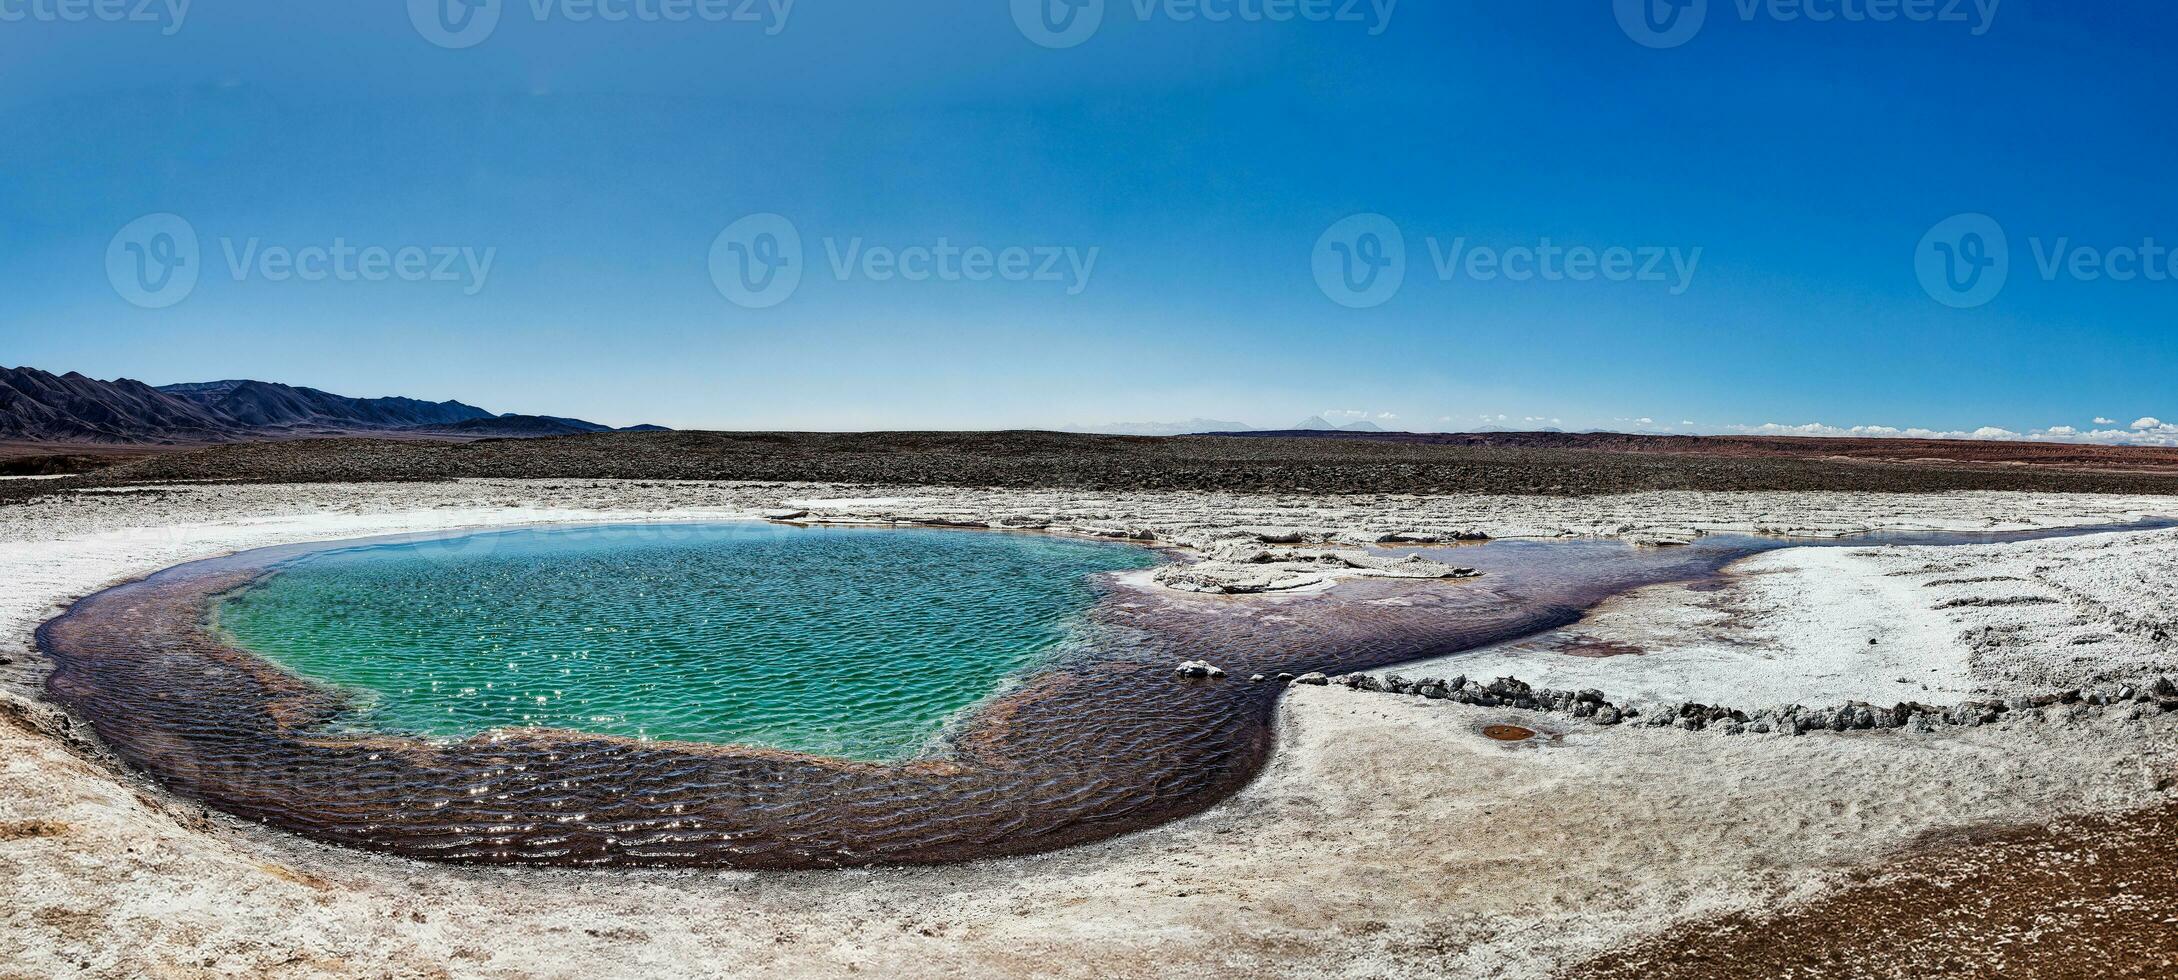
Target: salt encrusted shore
<point>2076,625</point>
<point>1387,838</point>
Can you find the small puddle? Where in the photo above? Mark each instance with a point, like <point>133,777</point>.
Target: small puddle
<point>1508,733</point>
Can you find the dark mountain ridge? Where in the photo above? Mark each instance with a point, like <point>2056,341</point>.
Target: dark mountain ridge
<point>41,407</point>
<point>261,404</point>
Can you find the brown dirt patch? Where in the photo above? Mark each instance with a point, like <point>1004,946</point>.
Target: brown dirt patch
<point>2089,898</point>
<point>31,829</point>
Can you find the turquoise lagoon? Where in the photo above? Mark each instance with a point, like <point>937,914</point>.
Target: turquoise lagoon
<point>851,642</point>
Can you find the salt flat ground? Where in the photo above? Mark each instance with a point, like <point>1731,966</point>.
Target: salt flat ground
<point>1388,837</point>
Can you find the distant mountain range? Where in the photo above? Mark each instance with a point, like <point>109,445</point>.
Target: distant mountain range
<point>38,406</point>
<point>1317,423</point>
<point>1314,423</point>
<point>1187,428</point>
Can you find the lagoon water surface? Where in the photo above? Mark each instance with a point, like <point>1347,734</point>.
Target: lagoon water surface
<point>851,642</point>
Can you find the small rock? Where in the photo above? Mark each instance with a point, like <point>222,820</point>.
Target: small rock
<point>1257,678</point>
<point>1313,678</point>
<point>1197,669</point>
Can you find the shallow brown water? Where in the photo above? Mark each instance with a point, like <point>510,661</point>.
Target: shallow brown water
<point>1087,748</point>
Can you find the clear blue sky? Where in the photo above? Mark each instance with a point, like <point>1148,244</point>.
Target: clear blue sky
<point>1201,160</point>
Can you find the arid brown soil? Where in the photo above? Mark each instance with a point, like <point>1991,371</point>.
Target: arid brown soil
<point>42,459</point>
<point>1551,465</point>
<point>2093,898</point>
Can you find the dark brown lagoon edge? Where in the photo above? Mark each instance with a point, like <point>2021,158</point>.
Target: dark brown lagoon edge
<point>1090,747</point>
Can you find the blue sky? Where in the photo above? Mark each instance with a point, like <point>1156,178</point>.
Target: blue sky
<point>596,164</point>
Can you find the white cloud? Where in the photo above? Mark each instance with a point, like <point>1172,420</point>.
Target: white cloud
<point>2154,433</point>
<point>2099,420</point>
<point>2150,422</point>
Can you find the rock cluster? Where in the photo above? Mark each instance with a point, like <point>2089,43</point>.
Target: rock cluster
<point>1507,692</point>
<point>1504,692</point>
<point>1424,537</point>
